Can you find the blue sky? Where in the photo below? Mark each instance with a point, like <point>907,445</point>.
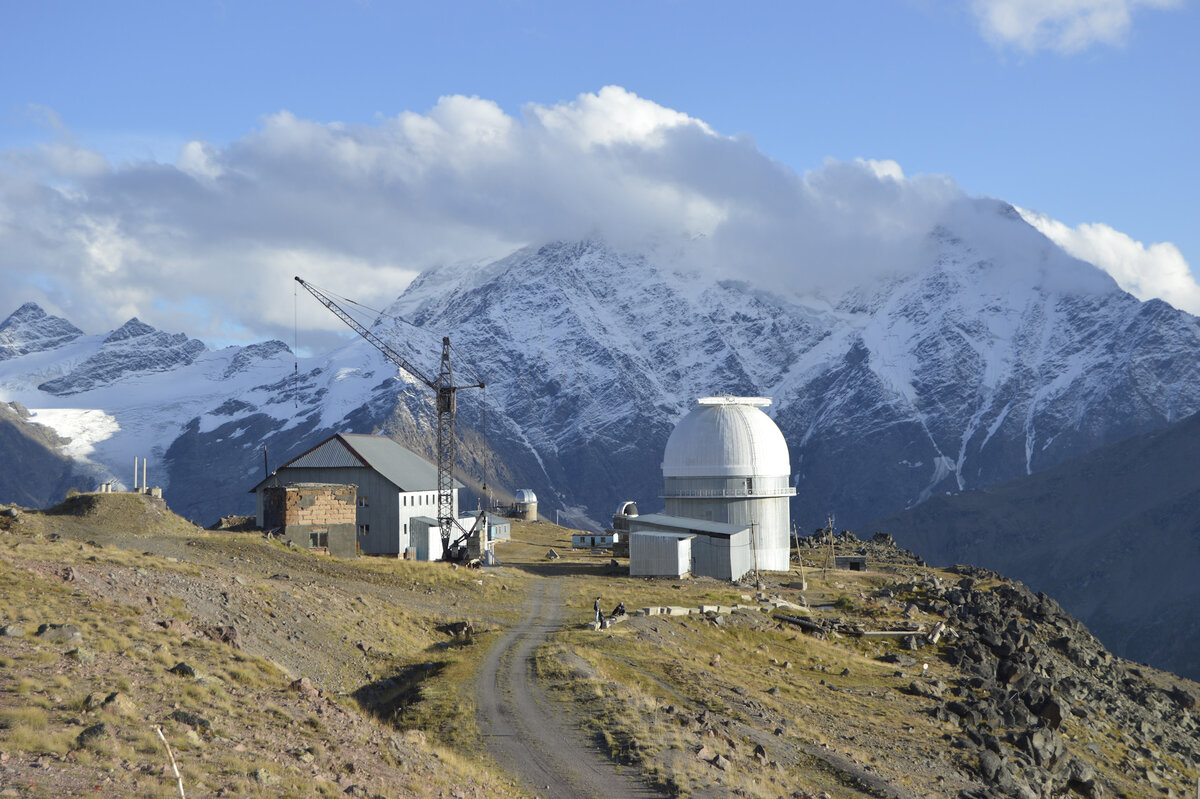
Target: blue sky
<point>1083,110</point>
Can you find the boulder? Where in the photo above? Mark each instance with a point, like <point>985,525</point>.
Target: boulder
<point>59,633</point>
<point>91,734</point>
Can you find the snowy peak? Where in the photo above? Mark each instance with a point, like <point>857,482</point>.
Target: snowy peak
<point>251,356</point>
<point>30,329</point>
<point>134,348</point>
<point>132,329</point>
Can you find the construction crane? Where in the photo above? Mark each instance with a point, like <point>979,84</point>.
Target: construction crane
<point>445,391</point>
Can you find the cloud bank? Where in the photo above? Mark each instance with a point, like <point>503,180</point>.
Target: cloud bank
<point>1158,270</point>
<point>1064,26</point>
<point>209,243</point>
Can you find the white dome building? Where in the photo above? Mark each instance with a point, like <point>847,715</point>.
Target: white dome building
<point>726,461</point>
<point>525,505</point>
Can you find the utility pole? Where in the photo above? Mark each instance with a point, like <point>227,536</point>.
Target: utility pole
<point>830,560</point>
<point>754,549</point>
<point>800,557</point>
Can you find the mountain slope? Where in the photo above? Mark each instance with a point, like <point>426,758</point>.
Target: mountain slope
<point>1113,535</point>
<point>998,357</point>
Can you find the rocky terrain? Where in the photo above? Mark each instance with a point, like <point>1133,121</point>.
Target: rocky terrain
<point>1111,535</point>
<point>277,672</point>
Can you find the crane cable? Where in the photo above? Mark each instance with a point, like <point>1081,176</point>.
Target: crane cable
<point>463,363</point>
<point>295,349</point>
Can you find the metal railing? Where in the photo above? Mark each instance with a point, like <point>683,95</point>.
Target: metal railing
<point>719,493</point>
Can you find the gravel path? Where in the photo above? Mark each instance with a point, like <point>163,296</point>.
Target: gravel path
<point>522,729</point>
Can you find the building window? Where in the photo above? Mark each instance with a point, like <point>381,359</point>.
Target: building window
<point>364,501</point>
<point>406,529</point>
<point>364,529</point>
<point>319,540</point>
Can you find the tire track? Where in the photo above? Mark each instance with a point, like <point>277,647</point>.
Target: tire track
<point>521,727</point>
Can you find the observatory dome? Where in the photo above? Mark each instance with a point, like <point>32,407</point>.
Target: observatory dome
<point>726,437</point>
<point>526,496</point>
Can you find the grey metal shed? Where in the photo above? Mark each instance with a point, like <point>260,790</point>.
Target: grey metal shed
<point>718,550</point>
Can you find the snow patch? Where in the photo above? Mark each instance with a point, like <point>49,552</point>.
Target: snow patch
<point>86,427</point>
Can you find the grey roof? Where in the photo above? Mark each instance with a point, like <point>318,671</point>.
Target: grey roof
<point>679,536</point>
<point>684,524</point>
<point>403,469</point>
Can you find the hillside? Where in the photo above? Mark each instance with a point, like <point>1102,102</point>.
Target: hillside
<point>45,474</point>
<point>990,690</point>
<point>1114,535</point>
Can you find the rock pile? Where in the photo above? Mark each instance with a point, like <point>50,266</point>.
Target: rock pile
<point>1037,685</point>
<point>881,548</point>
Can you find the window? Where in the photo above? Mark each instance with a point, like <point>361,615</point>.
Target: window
<point>406,529</point>
<point>364,501</point>
<point>364,529</point>
<point>318,540</point>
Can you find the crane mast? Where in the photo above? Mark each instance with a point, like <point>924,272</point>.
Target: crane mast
<point>445,403</point>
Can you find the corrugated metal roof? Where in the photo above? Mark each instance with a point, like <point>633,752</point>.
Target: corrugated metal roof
<point>331,454</point>
<point>681,536</point>
<point>684,524</point>
<point>402,468</point>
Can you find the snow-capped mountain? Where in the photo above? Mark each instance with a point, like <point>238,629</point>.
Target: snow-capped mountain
<point>998,356</point>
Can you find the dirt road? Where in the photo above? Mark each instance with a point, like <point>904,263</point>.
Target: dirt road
<point>522,729</point>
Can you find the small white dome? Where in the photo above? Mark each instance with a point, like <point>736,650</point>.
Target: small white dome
<point>526,496</point>
<point>727,437</point>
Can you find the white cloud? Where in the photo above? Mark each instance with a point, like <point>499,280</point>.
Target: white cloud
<point>1066,26</point>
<point>209,243</point>
<point>1158,270</point>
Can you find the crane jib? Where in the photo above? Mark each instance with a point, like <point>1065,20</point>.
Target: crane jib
<point>445,404</point>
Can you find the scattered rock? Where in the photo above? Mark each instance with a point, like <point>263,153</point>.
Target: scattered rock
<point>119,703</point>
<point>82,655</point>
<point>933,689</point>
<point>11,631</point>
<point>96,732</point>
<point>183,669</point>
<point>190,719</point>
<point>552,555</point>
<point>175,626</point>
<point>66,633</point>
<point>304,687</point>
<point>264,777</point>
<point>224,634</point>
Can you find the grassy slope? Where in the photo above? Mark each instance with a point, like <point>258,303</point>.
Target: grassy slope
<point>346,625</point>
<point>666,693</point>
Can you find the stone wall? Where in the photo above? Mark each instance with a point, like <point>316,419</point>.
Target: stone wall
<point>314,515</point>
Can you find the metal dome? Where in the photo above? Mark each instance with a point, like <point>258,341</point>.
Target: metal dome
<point>526,496</point>
<point>726,437</point>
